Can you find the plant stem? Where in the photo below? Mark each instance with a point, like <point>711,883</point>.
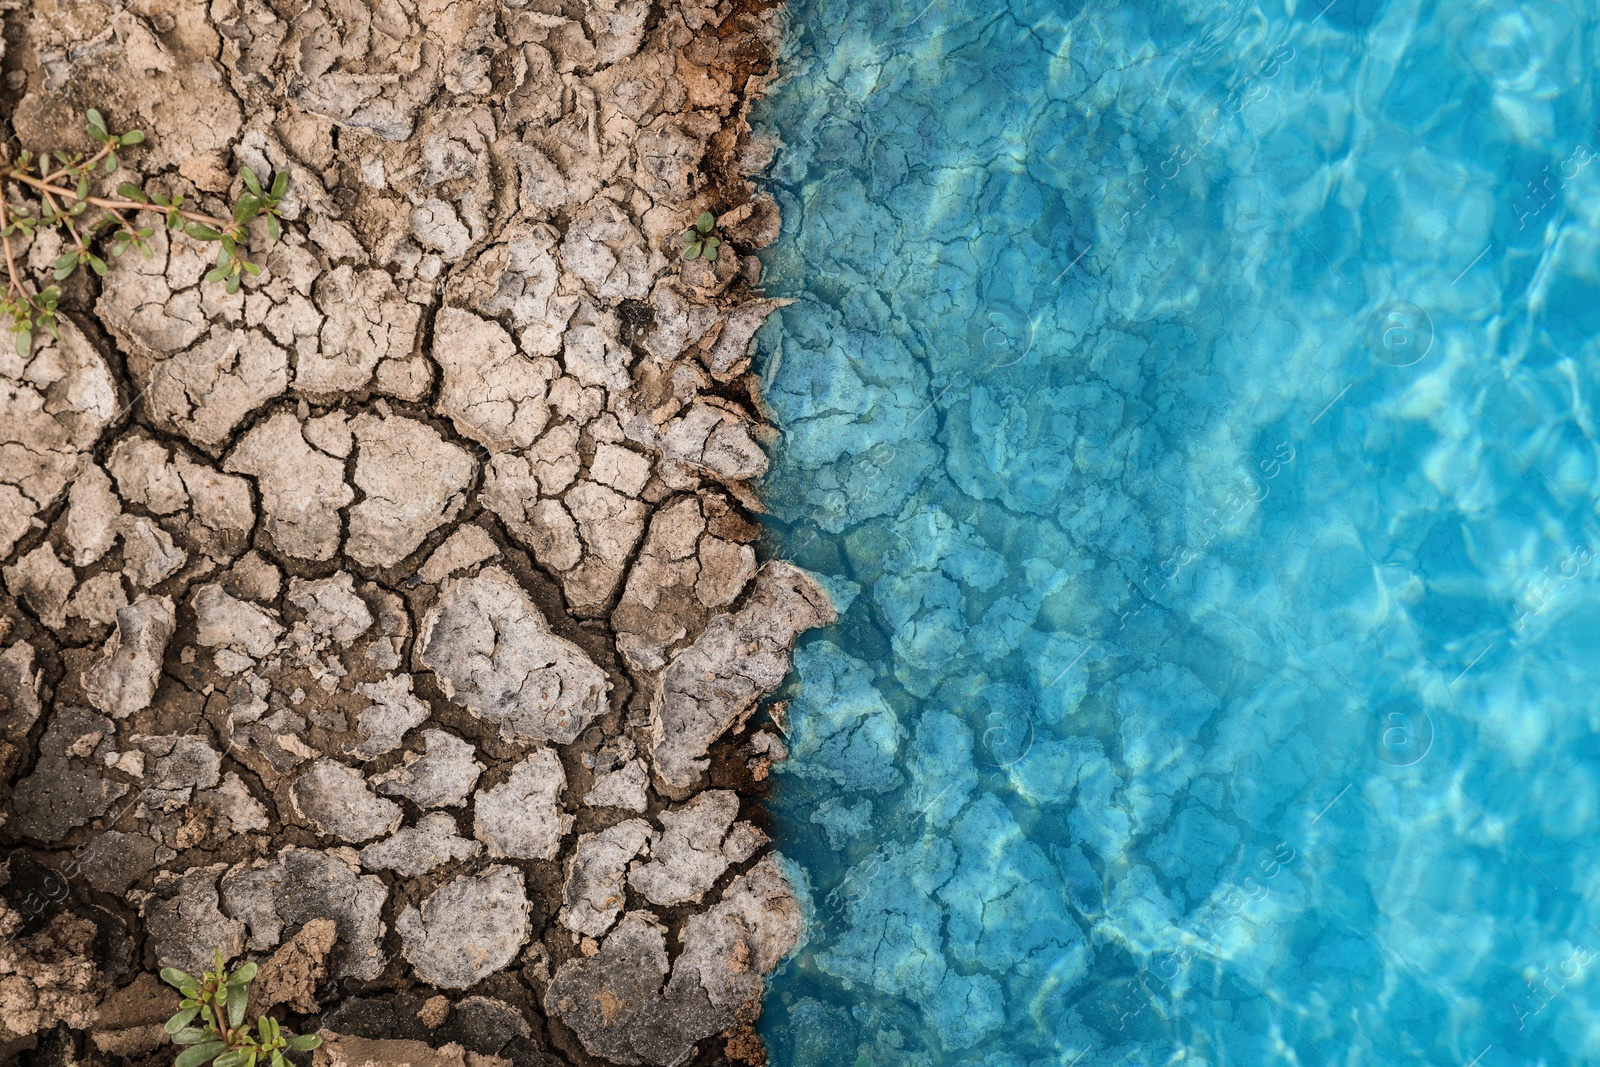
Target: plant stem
<point>47,189</point>
<point>88,164</point>
<point>13,281</point>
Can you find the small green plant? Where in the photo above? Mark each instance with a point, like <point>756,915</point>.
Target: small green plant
<point>64,196</point>
<point>698,240</point>
<point>211,1022</point>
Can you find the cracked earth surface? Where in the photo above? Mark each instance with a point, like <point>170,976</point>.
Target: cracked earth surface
<point>397,621</point>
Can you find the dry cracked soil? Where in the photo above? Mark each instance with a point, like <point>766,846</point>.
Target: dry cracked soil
<point>397,621</point>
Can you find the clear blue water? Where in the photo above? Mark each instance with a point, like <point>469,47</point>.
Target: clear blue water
<point>1192,406</point>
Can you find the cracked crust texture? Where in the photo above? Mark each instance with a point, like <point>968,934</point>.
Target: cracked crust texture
<point>397,621</point>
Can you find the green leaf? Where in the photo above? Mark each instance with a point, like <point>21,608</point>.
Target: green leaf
<point>181,1020</point>
<point>216,274</point>
<point>24,343</point>
<point>199,1054</point>
<point>280,183</point>
<point>243,975</point>
<point>236,1058</point>
<point>705,222</point>
<point>191,1034</point>
<point>97,265</point>
<point>712,244</point>
<point>65,265</point>
<point>692,250</point>
<point>202,233</point>
<point>111,163</point>
<point>132,137</point>
<point>252,269</point>
<point>305,1042</point>
<point>246,209</point>
<point>192,992</point>
<point>233,285</point>
<point>97,125</point>
<point>83,188</point>
<point>250,181</point>
<point>278,1060</point>
<point>238,996</point>
<point>273,230</point>
<point>862,1061</point>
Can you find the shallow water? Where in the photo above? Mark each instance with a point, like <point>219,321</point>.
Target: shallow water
<point>1191,405</point>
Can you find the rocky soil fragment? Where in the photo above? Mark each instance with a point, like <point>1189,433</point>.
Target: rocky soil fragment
<point>699,842</point>
<point>468,928</point>
<point>303,885</point>
<point>715,683</point>
<point>522,817</point>
<point>441,778</point>
<point>495,655</point>
<point>416,850</point>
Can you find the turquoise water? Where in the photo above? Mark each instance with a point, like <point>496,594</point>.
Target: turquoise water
<point>1192,408</point>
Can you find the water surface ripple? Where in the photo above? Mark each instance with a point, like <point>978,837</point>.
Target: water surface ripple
<point>1191,407</point>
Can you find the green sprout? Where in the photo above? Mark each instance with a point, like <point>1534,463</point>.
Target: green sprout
<point>64,196</point>
<point>211,1022</point>
<point>698,239</point>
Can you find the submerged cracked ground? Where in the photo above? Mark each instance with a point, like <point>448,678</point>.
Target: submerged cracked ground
<point>396,621</point>
<point>1190,410</point>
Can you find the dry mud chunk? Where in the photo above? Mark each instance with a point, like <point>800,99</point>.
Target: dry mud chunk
<point>440,779</point>
<point>615,1002</point>
<point>730,948</point>
<point>714,441</point>
<point>125,678</point>
<point>66,789</point>
<point>368,321</point>
<point>384,723</point>
<point>222,507</point>
<point>414,481</point>
<point>226,622</point>
<point>715,682</point>
<point>334,798</point>
<point>184,923</point>
<point>515,281</point>
<point>467,929</point>
<point>302,489</point>
<point>494,655</point>
<point>145,475</point>
<point>340,1050</point>
<point>148,552</point>
<point>53,406</point>
<point>180,764</point>
<point>467,547</point>
<point>233,809</point>
<point>609,526</point>
<point>492,393</point>
<point>594,892</point>
<point>522,818</point>
<point>92,513</point>
<point>695,849</point>
<point>42,582</point>
<point>332,606</point>
<point>293,973</point>
<point>48,977</point>
<point>98,599</point>
<point>416,850</point>
<point>605,249</point>
<point>113,861</point>
<point>205,392</point>
<point>303,885</point>
<point>622,788</point>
